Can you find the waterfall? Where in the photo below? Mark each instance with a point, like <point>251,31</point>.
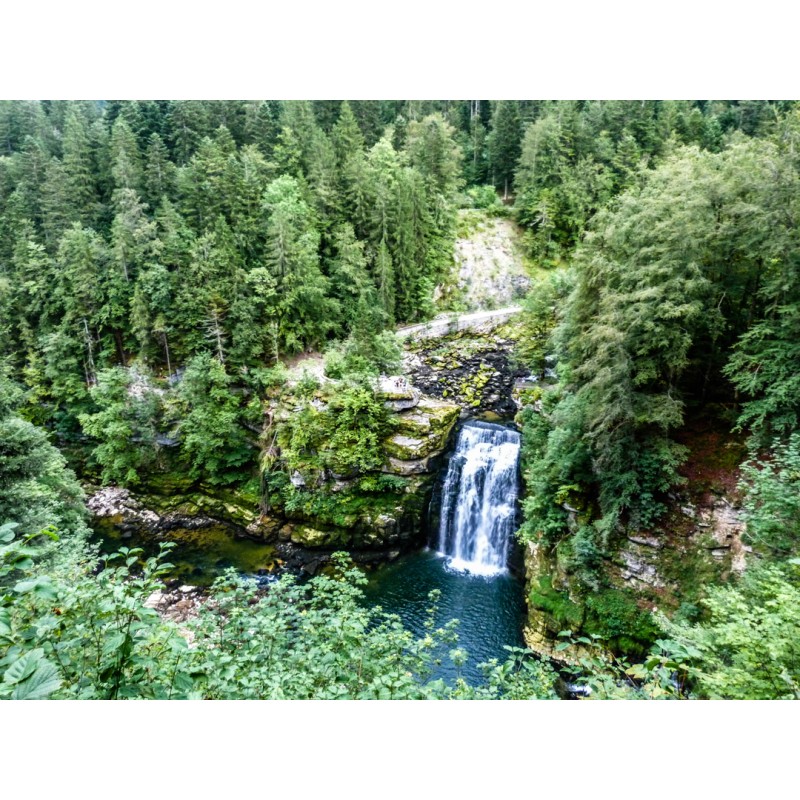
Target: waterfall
<point>479,495</point>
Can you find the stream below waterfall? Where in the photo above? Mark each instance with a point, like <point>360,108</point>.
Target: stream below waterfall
<point>490,610</point>
<point>474,517</point>
<point>476,509</point>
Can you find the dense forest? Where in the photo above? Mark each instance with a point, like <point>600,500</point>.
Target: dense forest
<point>161,262</point>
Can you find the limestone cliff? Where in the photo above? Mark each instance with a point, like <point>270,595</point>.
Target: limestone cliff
<point>665,568</point>
<point>363,510</point>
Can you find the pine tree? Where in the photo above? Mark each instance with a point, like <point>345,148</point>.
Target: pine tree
<point>433,151</point>
<point>213,442</point>
<point>187,125</point>
<point>126,161</point>
<point>347,139</point>
<point>385,279</point>
<point>504,143</point>
<point>305,313</point>
<point>58,213</point>
<point>348,274</point>
<point>134,240</point>
<point>159,173</point>
<point>78,166</point>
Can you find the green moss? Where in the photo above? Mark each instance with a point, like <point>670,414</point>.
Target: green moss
<point>370,498</point>
<point>614,615</point>
<point>557,605</point>
<point>306,536</point>
<point>690,568</point>
<point>408,448</point>
<point>610,614</point>
<point>412,424</point>
<point>441,416</point>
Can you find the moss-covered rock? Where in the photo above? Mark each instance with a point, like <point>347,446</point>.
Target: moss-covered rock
<point>306,536</point>
<point>407,448</point>
<point>412,424</point>
<point>421,433</point>
<point>474,370</point>
<point>441,415</point>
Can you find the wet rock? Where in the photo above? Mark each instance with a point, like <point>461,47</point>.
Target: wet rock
<point>407,448</point>
<point>155,600</point>
<point>645,540</point>
<point>308,536</point>
<point>297,479</point>
<point>471,370</point>
<point>113,501</point>
<point>396,466</point>
<point>723,523</point>
<point>638,568</point>
<point>413,424</point>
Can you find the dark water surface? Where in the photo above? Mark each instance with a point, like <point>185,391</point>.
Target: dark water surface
<point>200,556</point>
<point>491,610</point>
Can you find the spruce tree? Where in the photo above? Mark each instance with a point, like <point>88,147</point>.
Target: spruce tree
<point>504,144</point>
<point>78,166</point>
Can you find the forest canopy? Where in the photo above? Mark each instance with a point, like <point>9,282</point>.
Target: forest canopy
<point>162,261</point>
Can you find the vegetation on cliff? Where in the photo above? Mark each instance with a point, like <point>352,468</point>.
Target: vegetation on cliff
<point>680,294</point>
<point>161,260</point>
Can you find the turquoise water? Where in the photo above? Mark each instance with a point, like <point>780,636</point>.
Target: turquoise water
<point>491,610</point>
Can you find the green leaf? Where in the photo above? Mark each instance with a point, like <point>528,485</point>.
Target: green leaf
<point>41,587</point>
<point>23,667</point>
<point>114,642</point>
<point>40,685</point>
<point>5,622</point>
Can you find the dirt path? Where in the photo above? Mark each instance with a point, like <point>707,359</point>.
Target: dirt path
<point>451,323</point>
<point>491,278</point>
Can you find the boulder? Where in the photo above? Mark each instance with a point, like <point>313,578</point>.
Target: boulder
<point>297,479</point>
<point>307,536</point>
<point>397,393</point>
<point>407,448</point>
<point>413,424</point>
<point>396,466</point>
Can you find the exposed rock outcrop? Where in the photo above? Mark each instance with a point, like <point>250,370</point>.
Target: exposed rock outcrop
<point>379,511</point>
<point>474,371</point>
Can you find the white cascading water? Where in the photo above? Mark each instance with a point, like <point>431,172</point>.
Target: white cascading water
<point>479,495</point>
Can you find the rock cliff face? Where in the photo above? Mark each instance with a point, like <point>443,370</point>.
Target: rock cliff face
<point>346,513</point>
<point>341,512</point>
<point>699,542</point>
<point>464,375</point>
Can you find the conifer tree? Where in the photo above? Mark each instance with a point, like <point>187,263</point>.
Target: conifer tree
<point>504,143</point>
<point>78,166</point>
<point>126,161</point>
<point>385,279</point>
<point>188,124</point>
<point>433,151</point>
<point>305,313</point>
<point>159,173</point>
<point>58,213</point>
